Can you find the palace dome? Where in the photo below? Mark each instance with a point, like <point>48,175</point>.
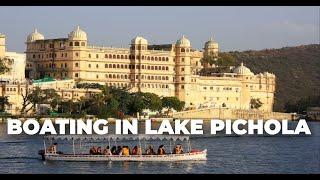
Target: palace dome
<point>210,44</point>
<point>35,36</point>
<point>78,34</point>
<point>243,70</point>
<point>139,40</point>
<point>183,42</point>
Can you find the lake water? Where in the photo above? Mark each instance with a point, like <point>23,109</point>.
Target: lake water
<point>226,154</point>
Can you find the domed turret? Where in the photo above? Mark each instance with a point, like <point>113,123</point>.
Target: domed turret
<point>139,40</point>
<point>183,42</point>
<point>243,70</point>
<point>78,34</point>
<point>34,36</point>
<point>211,44</point>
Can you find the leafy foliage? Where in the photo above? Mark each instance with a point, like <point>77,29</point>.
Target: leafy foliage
<point>296,69</point>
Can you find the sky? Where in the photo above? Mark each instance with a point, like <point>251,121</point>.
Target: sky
<point>234,28</point>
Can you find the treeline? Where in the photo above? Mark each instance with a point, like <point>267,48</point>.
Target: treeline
<point>296,69</point>
<point>301,105</point>
<point>110,102</point>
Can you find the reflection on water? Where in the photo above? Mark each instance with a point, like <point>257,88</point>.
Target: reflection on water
<point>226,154</point>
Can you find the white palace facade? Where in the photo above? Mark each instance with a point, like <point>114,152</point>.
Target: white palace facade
<point>166,70</point>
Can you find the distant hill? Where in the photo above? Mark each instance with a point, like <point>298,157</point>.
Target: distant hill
<point>297,70</point>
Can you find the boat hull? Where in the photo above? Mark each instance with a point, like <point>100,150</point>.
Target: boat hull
<point>194,156</point>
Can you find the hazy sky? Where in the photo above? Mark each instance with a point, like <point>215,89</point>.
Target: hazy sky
<point>234,28</point>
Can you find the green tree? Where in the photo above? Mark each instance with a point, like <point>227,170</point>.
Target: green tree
<point>137,103</point>
<point>3,65</point>
<point>3,103</point>
<point>31,98</point>
<point>255,103</point>
<point>152,101</point>
<point>225,59</point>
<point>50,97</point>
<point>172,103</point>
<point>209,58</point>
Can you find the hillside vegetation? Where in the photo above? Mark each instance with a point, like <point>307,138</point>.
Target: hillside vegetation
<point>297,70</point>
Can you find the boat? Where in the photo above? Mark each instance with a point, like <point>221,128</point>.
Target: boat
<point>190,155</point>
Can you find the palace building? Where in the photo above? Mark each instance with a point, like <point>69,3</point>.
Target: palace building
<point>166,70</point>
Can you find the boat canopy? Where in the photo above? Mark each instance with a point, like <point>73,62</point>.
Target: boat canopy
<point>118,137</point>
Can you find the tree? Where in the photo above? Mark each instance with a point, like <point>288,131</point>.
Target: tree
<point>3,65</point>
<point>3,103</point>
<point>172,103</point>
<point>152,101</point>
<point>209,58</point>
<point>31,98</point>
<point>50,97</point>
<point>225,59</point>
<point>137,103</point>
<point>255,103</point>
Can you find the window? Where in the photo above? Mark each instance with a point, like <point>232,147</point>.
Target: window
<point>71,44</point>
<point>76,65</point>
<point>89,55</point>
<point>182,69</point>
<point>182,59</point>
<point>205,88</point>
<point>106,66</point>
<point>182,78</point>
<point>65,65</point>
<point>97,65</point>
<point>76,44</point>
<point>89,65</point>
<point>83,44</point>
<point>97,55</point>
<point>76,75</point>
<point>77,54</point>
<point>182,86</point>
<point>97,76</point>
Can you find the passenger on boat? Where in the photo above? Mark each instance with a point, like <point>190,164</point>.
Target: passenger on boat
<point>52,148</point>
<point>150,151</point>
<point>125,151</point>
<point>99,151</point>
<point>119,150</point>
<point>161,150</point>
<point>136,151</point>
<point>114,150</point>
<point>178,149</point>
<point>106,151</point>
<point>93,150</point>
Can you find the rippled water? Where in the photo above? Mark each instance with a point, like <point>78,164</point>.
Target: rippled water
<point>226,154</point>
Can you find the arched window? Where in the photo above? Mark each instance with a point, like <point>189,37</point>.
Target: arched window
<point>148,57</point>
<point>106,75</point>
<point>118,76</point>
<point>76,75</point>
<point>71,44</point>
<point>114,57</point>
<point>114,76</point>
<point>83,44</point>
<point>89,65</point>
<point>89,55</point>
<point>142,57</point>
<point>142,66</point>
<point>148,67</point>
<point>182,78</point>
<point>65,55</point>
<point>148,77</point>
<point>97,65</point>
<point>121,66</point>
<point>182,86</point>
<point>125,76</point>
<point>118,66</point>
<point>106,66</point>
<point>106,56</point>
<point>167,68</point>
<point>156,78</point>
<point>156,68</point>
<point>34,56</point>
<point>152,58</point>
<point>156,58</point>
<point>50,55</point>
<point>76,44</point>
<point>118,57</point>
<point>159,77</point>
<point>152,68</point>
<point>110,56</point>
<point>167,77</point>
<point>121,56</point>
<point>97,76</point>
<point>76,64</point>
<point>163,59</point>
<point>183,50</point>
<point>110,65</point>
<point>126,66</point>
<point>167,59</point>
<point>61,54</point>
<point>167,86</point>
<point>110,76</point>
<point>114,66</point>
<point>152,78</point>
<point>163,68</point>
<point>126,57</point>
<point>77,54</point>
<point>97,55</point>
<point>121,76</point>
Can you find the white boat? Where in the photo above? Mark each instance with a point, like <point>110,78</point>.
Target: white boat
<point>191,155</point>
